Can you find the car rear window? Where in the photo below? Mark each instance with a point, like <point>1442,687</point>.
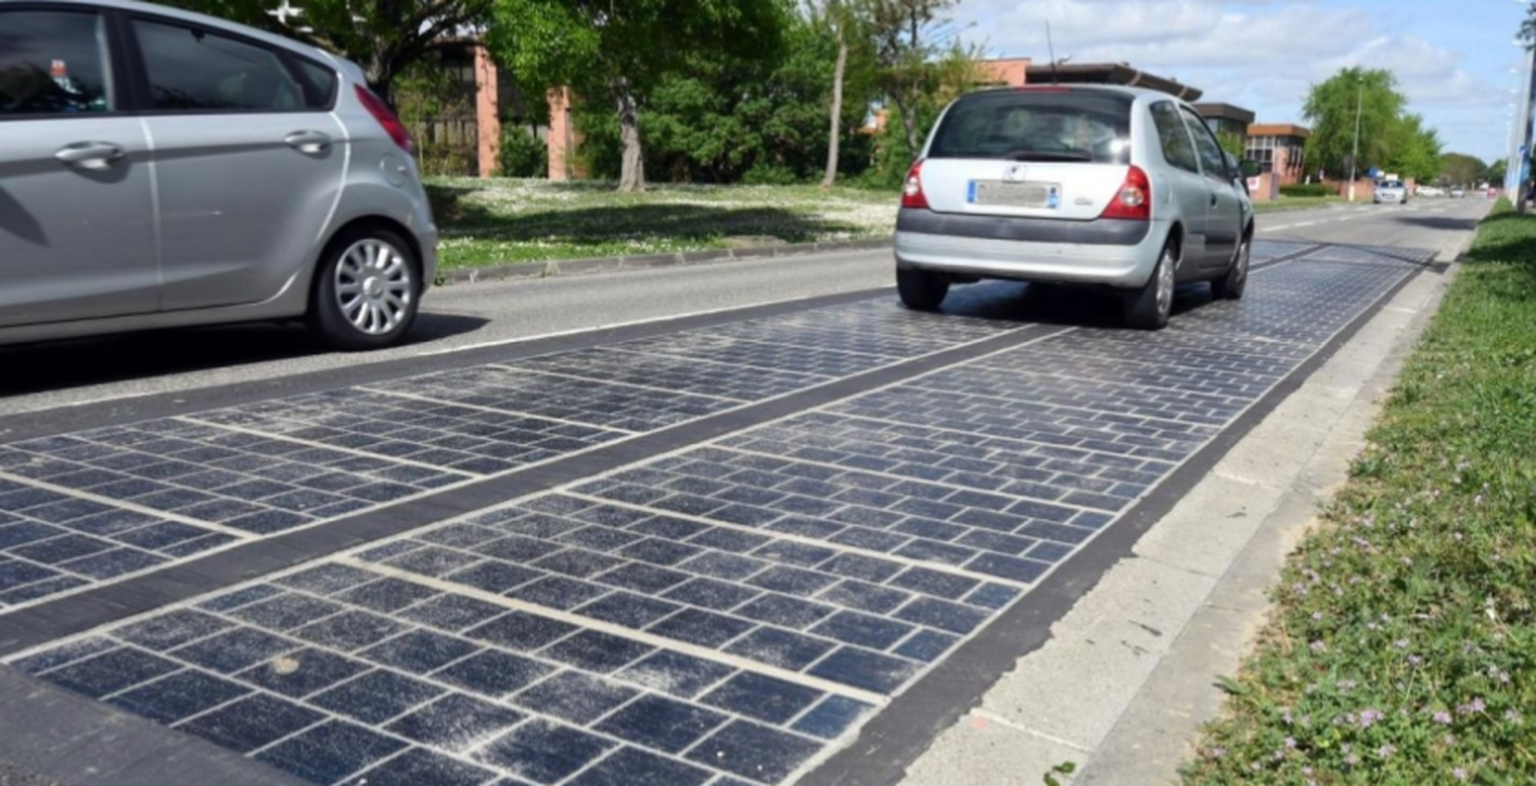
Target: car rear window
<point>1024,125</point>
<point>1392,184</point>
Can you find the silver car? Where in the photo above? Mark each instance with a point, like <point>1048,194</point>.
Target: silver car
<point>1391,192</point>
<point>1100,185</point>
<point>164,169</point>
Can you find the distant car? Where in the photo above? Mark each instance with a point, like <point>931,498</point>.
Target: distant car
<point>162,169</point>
<point>1107,186</point>
<point>1391,192</point>
<point>1429,191</point>
<point>1458,193</point>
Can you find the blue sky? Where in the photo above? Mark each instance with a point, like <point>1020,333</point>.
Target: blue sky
<point>1452,57</point>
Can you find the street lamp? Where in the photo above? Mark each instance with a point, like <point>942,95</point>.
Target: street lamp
<point>1354,159</point>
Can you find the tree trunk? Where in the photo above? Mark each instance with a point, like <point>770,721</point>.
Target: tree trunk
<point>632,175</point>
<point>908,110</point>
<point>834,134</point>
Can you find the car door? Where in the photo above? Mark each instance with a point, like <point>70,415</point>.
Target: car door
<point>1224,221</point>
<point>249,161</point>
<point>77,222</point>
<point>1186,187</point>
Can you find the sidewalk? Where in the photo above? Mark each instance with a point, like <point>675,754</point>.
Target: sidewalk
<point>1130,673</point>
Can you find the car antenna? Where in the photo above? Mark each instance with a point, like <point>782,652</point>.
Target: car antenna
<point>1050,47</point>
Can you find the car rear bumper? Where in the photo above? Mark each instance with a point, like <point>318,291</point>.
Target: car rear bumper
<point>1032,251</point>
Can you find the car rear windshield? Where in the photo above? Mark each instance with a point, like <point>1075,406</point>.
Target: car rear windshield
<point>1038,125</point>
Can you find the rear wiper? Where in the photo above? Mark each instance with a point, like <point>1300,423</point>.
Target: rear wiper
<point>1045,155</point>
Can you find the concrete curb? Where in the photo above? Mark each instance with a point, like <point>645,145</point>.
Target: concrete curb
<point>614,264</point>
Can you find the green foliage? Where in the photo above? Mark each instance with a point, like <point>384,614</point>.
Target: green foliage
<point>1308,190</point>
<point>724,116</point>
<point>619,53</point>
<point>1415,151</point>
<point>439,110</point>
<point>1496,172</point>
<point>522,154</point>
<point>1331,108</point>
<point>910,38</point>
<point>1403,646</point>
<point>384,38</point>
<point>1461,169</point>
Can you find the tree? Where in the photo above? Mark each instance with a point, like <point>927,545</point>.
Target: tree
<point>384,37</point>
<point>907,40</point>
<point>1496,173</point>
<point>1414,151</point>
<point>619,51</point>
<point>721,118</point>
<point>1331,108</point>
<point>1461,169</point>
<point>837,17</point>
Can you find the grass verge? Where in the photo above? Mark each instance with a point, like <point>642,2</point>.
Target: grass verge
<point>496,221</point>
<point>1402,648</point>
<point>1285,204</point>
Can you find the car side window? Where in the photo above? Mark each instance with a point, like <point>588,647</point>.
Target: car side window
<point>1212,161</point>
<point>1178,149</point>
<point>193,70</point>
<point>53,63</point>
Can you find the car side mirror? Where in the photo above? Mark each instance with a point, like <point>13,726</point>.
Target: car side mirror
<point>1250,168</point>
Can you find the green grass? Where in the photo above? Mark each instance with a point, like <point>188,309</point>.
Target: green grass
<point>496,221</point>
<point>1402,649</point>
<point>1296,203</point>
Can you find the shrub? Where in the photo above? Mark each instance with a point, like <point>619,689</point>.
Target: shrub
<point>1309,190</point>
<point>522,154</point>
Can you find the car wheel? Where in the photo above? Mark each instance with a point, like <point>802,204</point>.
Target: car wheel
<point>368,291</point>
<point>921,290</point>
<point>1231,286</point>
<point>1148,308</point>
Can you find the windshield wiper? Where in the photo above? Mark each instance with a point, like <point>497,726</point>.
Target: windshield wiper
<point>1046,155</point>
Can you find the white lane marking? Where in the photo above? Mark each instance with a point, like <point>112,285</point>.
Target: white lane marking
<point>255,432</point>
<point>591,623</point>
<point>479,408</point>
<point>129,505</point>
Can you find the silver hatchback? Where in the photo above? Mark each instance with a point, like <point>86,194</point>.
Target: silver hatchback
<point>164,169</point>
<point>1098,185</point>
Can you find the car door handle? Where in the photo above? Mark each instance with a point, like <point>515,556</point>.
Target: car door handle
<point>310,142</point>
<point>1214,200</point>
<point>90,155</point>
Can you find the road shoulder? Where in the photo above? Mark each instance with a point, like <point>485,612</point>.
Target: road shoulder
<point>1161,627</point>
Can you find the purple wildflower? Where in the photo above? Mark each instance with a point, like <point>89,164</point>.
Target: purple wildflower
<point>1459,774</point>
<point>1386,750</point>
<point>1318,646</point>
<point>1443,717</point>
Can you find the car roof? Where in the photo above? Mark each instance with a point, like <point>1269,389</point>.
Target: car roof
<point>1123,90</point>
<point>190,16</point>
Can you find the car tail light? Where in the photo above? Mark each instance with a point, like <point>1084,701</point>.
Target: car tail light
<point>1133,200</point>
<point>912,191</point>
<point>386,117</point>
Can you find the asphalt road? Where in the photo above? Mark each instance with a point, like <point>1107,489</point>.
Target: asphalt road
<point>709,552</point>
<point>462,317</point>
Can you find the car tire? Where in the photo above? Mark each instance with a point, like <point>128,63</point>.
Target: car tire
<point>921,290</point>
<point>367,291</point>
<point>1148,308</point>
<point>1231,286</point>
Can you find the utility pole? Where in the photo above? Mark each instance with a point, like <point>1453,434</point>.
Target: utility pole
<point>1354,159</point>
<point>1520,154</point>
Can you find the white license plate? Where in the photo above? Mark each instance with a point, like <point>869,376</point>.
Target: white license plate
<point>999,193</point>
